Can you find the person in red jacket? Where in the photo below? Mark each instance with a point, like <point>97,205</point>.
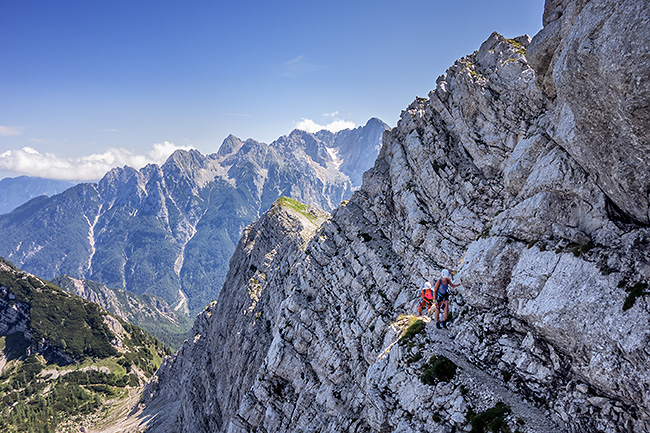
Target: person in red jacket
<point>427,298</point>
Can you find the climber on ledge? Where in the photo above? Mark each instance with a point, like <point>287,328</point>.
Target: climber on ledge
<point>441,294</point>
<point>427,298</point>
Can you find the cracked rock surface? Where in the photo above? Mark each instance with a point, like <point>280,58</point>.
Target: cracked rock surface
<point>499,175</point>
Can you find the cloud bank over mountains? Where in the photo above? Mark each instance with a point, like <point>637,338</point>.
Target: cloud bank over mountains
<point>31,162</point>
<point>334,126</point>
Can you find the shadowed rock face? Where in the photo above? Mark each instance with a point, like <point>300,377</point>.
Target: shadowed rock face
<point>552,317</point>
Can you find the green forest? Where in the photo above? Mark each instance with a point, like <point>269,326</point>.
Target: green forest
<point>72,363</point>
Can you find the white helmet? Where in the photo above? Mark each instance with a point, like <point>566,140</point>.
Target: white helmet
<point>445,273</point>
<point>427,285</point>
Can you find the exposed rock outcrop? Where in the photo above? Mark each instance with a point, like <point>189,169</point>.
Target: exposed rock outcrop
<point>490,176</point>
<point>592,60</point>
<point>237,330</point>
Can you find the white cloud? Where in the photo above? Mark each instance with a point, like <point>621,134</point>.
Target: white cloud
<point>332,114</point>
<point>11,131</point>
<point>297,67</point>
<point>31,162</point>
<point>334,126</point>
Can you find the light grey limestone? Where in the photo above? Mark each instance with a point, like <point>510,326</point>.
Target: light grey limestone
<point>478,178</point>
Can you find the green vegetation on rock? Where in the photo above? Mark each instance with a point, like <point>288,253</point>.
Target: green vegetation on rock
<point>438,369</point>
<point>491,420</point>
<point>519,47</point>
<point>71,327</point>
<point>148,312</point>
<point>415,326</point>
<point>634,292</point>
<point>301,208</point>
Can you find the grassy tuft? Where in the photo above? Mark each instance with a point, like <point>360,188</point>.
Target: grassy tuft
<point>519,47</point>
<point>415,326</point>
<point>301,208</point>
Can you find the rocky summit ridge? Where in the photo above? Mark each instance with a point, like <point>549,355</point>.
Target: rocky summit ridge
<point>514,173</point>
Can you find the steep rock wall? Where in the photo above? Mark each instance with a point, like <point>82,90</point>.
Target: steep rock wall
<point>231,337</point>
<point>592,59</point>
<point>551,318</point>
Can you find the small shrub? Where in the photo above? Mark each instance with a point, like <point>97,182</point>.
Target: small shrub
<point>606,270</point>
<point>438,369</point>
<point>634,292</point>
<point>485,233</point>
<point>492,420</point>
<point>579,249</point>
<point>507,375</point>
<point>414,358</point>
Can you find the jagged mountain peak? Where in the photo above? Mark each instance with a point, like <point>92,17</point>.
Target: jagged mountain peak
<point>118,174</point>
<point>186,160</point>
<point>230,145</point>
<point>376,122</point>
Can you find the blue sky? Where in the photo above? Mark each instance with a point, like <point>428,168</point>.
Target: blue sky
<point>89,84</point>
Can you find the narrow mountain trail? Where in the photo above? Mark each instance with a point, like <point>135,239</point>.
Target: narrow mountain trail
<point>487,386</point>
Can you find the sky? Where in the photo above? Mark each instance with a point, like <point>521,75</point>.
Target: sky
<point>89,85</point>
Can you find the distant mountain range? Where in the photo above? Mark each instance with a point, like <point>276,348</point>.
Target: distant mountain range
<point>15,191</point>
<point>170,230</point>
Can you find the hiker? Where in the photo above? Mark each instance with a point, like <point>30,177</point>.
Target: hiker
<point>427,298</point>
<point>441,294</point>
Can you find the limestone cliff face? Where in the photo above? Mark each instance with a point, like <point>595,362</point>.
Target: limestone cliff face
<point>203,384</point>
<point>489,176</point>
<point>592,60</point>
